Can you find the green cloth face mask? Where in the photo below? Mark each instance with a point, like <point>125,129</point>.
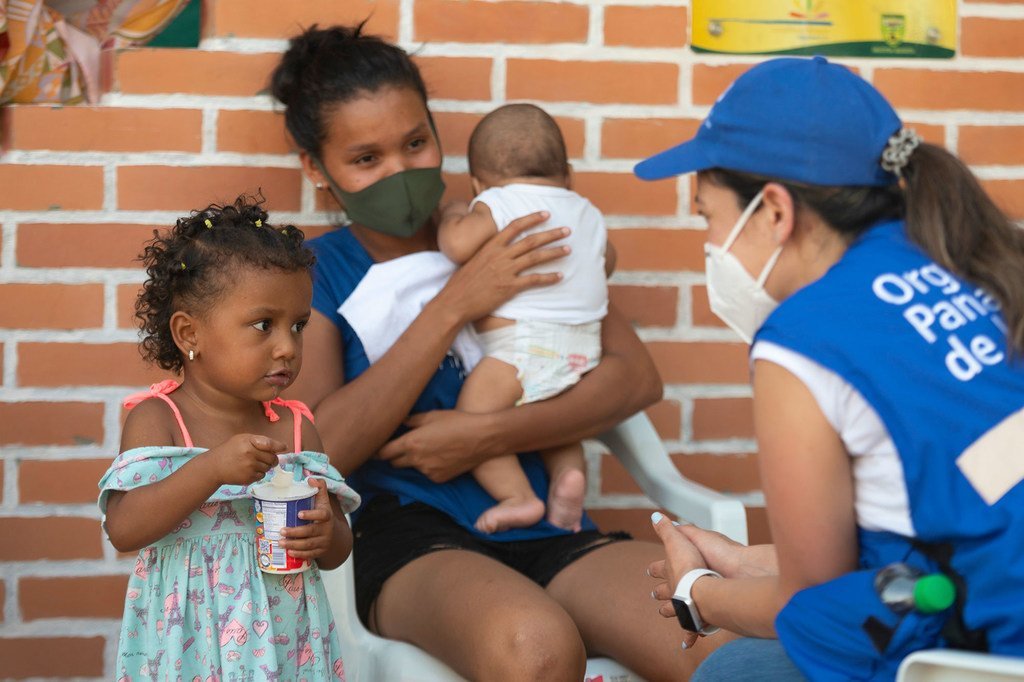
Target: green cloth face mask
<point>397,205</point>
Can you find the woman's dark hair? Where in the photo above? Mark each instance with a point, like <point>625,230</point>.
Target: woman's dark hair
<point>324,67</point>
<point>189,266</point>
<point>948,215</point>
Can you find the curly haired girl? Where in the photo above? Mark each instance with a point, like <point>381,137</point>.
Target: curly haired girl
<point>224,305</point>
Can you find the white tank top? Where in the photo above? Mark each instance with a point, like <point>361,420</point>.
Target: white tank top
<point>582,294</point>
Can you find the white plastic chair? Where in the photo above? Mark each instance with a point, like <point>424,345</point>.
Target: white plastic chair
<point>946,665</point>
<point>369,658</point>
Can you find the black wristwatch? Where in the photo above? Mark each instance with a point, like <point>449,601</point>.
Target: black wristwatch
<point>686,610</point>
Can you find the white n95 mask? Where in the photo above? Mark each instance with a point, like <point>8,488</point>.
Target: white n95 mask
<point>735,296</point>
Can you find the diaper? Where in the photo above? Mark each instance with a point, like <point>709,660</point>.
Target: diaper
<point>549,357</point>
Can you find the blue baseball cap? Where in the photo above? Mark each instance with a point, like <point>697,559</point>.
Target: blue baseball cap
<point>799,119</point>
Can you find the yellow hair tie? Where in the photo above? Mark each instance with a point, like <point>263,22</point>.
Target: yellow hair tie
<point>183,265</point>
<point>208,223</point>
<point>284,230</point>
<point>259,223</point>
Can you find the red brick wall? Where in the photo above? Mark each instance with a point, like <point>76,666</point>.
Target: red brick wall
<point>81,187</point>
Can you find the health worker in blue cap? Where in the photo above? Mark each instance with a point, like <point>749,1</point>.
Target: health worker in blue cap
<point>883,294</point>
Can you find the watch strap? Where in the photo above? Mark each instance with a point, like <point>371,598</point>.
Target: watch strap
<point>682,593</point>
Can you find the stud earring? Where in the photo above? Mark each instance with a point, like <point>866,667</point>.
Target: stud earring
<point>320,186</point>
<point>191,355</point>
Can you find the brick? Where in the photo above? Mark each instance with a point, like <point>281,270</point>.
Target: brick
<point>53,537</point>
<point>105,129</point>
<point>645,26</point>
<point>92,597</point>
<point>456,77</point>
<point>3,592</point>
<point>636,522</point>
<point>664,250</point>
<point>601,82</point>
<point>646,306</point>
<point>82,364</point>
<point>615,480</point>
<point>51,306</point>
<point>26,657</point>
<point>934,134</point>
<point>711,81</point>
<point>154,71</point>
<point>126,296</point>
<point>666,417</point>
<point>625,194</point>
<point>716,418</point>
<point>700,362</point>
<point>701,309</point>
<point>726,473</point>
<point>1008,195</point>
<point>273,19</point>
<point>474,21</point>
<point>42,188</point>
<point>51,423</point>
<point>177,188</point>
<point>71,481</point>
<point>458,187</point>
<point>991,145</point>
<point>73,245</point>
<point>974,90</point>
<point>252,132</point>
<point>985,37</point>
<point>454,129</point>
<point>633,138</point>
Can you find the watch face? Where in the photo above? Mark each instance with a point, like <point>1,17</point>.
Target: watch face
<point>684,616</point>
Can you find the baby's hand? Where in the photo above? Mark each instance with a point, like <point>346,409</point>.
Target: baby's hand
<point>244,458</point>
<point>314,539</point>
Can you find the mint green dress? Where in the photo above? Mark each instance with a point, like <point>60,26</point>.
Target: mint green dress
<point>197,606</point>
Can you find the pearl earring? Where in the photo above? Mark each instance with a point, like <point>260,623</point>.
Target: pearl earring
<point>191,355</point>
<point>320,186</point>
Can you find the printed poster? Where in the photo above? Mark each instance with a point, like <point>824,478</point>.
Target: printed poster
<point>845,28</point>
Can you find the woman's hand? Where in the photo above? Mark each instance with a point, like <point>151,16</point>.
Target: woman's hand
<point>682,556</point>
<point>314,539</point>
<point>492,276</point>
<point>729,557</point>
<point>441,444</point>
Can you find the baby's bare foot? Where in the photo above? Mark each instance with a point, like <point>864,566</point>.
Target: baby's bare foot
<point>518,512</point>
<point>565,499</point>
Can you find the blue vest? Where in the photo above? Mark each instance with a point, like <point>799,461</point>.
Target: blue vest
<point>341,264</point>
<point>928,351</point>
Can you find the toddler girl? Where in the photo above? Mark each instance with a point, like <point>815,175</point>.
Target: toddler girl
<point>224,305</point>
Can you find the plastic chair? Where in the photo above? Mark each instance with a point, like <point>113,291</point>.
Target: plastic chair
<point>369,658</point>
<point>947,665</point>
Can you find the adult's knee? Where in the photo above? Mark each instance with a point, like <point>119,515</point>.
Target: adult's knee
<point>533,647</point>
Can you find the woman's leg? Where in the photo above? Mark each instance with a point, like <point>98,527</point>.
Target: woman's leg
<point>749,660</point>
<point>608,594</point>
<point>480,617</point>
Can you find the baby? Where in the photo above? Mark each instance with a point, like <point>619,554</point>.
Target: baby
<point>543,340</point>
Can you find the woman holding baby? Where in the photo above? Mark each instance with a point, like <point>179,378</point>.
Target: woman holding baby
<point>522,603</point>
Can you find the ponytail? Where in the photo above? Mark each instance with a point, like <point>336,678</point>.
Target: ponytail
<point>951,217</point>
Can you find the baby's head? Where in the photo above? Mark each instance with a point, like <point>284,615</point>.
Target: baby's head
<point>517,141</point>
<point>208,264</point>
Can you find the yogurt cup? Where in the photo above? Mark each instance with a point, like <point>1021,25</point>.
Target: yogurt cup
<point>277,505</point>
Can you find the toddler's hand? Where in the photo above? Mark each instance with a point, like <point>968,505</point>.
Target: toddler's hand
<point>245,458</point>
<point>314,539</point>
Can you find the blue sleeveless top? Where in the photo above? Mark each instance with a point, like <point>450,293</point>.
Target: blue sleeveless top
<point>341,263</point>
<point>928,351</point>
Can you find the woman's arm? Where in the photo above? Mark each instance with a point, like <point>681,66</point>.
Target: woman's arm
<point>356,418</point>
<point>808,485</point>
<point>444,444</point>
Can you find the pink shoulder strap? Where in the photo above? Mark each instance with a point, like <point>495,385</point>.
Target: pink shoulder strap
<point>299,410</point>
<point>160,391</point>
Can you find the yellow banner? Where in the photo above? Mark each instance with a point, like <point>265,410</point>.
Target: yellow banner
<point>850,28</point>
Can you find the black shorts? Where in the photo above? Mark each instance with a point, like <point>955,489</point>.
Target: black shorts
<point>388,536</point>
